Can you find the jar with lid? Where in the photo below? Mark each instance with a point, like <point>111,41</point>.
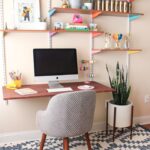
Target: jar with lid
<point>125,6</point>
<point>116,5</point>
<point>103,5</point>
<point>98,4</point>
<point>112,5</point>
<point>107,5</point>
<point>120,6</point>
<point>130,7</point>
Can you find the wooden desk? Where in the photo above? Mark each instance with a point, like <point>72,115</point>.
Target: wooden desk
<point>42,92</point>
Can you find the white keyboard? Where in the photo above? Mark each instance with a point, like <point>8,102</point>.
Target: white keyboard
<point>60,89</point>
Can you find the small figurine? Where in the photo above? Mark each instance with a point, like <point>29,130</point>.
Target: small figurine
<point>58,25</point>
<point>65,4</point>
<point>77,18</point>
<point>93,27</point>
<point>107,40</point>
<point>126,41</point>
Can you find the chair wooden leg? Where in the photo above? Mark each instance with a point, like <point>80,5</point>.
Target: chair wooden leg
<point>42,141</point>
<point>88,141</point>
<point>66,143</point>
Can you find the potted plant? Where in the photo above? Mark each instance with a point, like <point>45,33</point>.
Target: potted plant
<point>120,102</point>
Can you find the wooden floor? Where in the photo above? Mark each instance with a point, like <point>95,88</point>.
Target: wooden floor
<point>147,126</point>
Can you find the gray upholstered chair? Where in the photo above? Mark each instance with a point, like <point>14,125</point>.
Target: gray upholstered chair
<point>67,115</point>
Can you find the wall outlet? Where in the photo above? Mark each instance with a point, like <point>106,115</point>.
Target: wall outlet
<point>147,98</point>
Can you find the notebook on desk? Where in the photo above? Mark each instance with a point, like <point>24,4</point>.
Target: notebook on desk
<point>25,91</point>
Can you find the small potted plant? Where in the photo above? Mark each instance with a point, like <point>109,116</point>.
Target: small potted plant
<point>120,99</point>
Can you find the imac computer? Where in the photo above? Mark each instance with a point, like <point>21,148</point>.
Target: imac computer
<point>55,64</point>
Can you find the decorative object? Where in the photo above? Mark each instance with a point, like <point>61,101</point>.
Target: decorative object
<point>65,4</point>
<point>107,4</point>
<point>107,40</point>
<point>75,3</point>
<point>26,12</point>
<point>16,81</point>
<point>119,110</point>
<point>58,25</point>
<point>77,27</point>
<point>126,41</point>
<point>88,4</point>
<point>117,38</point>
<point>93,27</point>
<point>77,18</point>
<point>120,84</point>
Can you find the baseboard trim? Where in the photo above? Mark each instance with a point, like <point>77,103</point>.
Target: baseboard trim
<point>20,136</point>
<point>36,134</point>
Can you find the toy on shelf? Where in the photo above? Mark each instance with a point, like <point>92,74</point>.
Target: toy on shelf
<point>77,27</point>
<point>93,27</point>
<point>16,80</point>
<point>65,4</point>
<point>77,18</point>
<point>58,25</point>
<point>117,38</point>
<point>107,40</point>
<point>126,41</point>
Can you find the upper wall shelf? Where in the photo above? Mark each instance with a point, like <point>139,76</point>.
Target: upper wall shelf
<point>95,13</point>
<point>130,51</point>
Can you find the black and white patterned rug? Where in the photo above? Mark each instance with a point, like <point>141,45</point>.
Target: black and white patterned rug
<point>99,141</point>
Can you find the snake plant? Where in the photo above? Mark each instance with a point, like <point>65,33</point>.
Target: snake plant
<point>120,83</point>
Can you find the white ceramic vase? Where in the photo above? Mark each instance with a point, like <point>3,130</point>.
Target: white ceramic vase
<point>75,3</point>
<point>123,114</point>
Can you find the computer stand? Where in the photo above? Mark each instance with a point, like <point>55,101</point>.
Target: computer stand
<point>54,84</point>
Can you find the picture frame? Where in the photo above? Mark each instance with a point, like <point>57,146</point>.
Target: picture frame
<point>26,12</point>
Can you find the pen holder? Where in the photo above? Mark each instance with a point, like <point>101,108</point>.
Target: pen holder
<point>17,83</point>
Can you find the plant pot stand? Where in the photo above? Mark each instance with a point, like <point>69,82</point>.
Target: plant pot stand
<point>114,121</point>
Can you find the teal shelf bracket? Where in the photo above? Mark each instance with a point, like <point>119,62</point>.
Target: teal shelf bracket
<point>133,17</point>
<point>51,12</point>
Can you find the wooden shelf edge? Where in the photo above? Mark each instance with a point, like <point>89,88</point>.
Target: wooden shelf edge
<point>131,51</point>
<point>95,13</point>
<point>21,30</point>
<point>94,32</point>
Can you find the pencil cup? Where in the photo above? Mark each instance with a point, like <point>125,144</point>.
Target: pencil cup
<point>17,83</point>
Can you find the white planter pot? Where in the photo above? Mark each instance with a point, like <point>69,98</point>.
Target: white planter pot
<point>33,26</point>
<point>75,3</point>
<point>123,114</point>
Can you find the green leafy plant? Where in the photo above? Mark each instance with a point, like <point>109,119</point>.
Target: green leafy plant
<point>120,83</point>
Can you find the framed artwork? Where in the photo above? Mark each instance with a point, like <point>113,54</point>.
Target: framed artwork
<point>26,11</point>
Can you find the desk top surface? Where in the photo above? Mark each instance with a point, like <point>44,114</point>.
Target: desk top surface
<point>41,89</point>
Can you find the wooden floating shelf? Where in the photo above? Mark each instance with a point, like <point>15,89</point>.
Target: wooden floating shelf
<point>20,30</point>
<point>96,51</point>
<point>95,13</point>
<point>94,32</point>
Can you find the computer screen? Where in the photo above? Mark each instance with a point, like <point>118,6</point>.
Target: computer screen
<point>54,64</point>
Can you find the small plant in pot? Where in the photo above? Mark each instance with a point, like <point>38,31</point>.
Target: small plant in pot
<point>120,99</point>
